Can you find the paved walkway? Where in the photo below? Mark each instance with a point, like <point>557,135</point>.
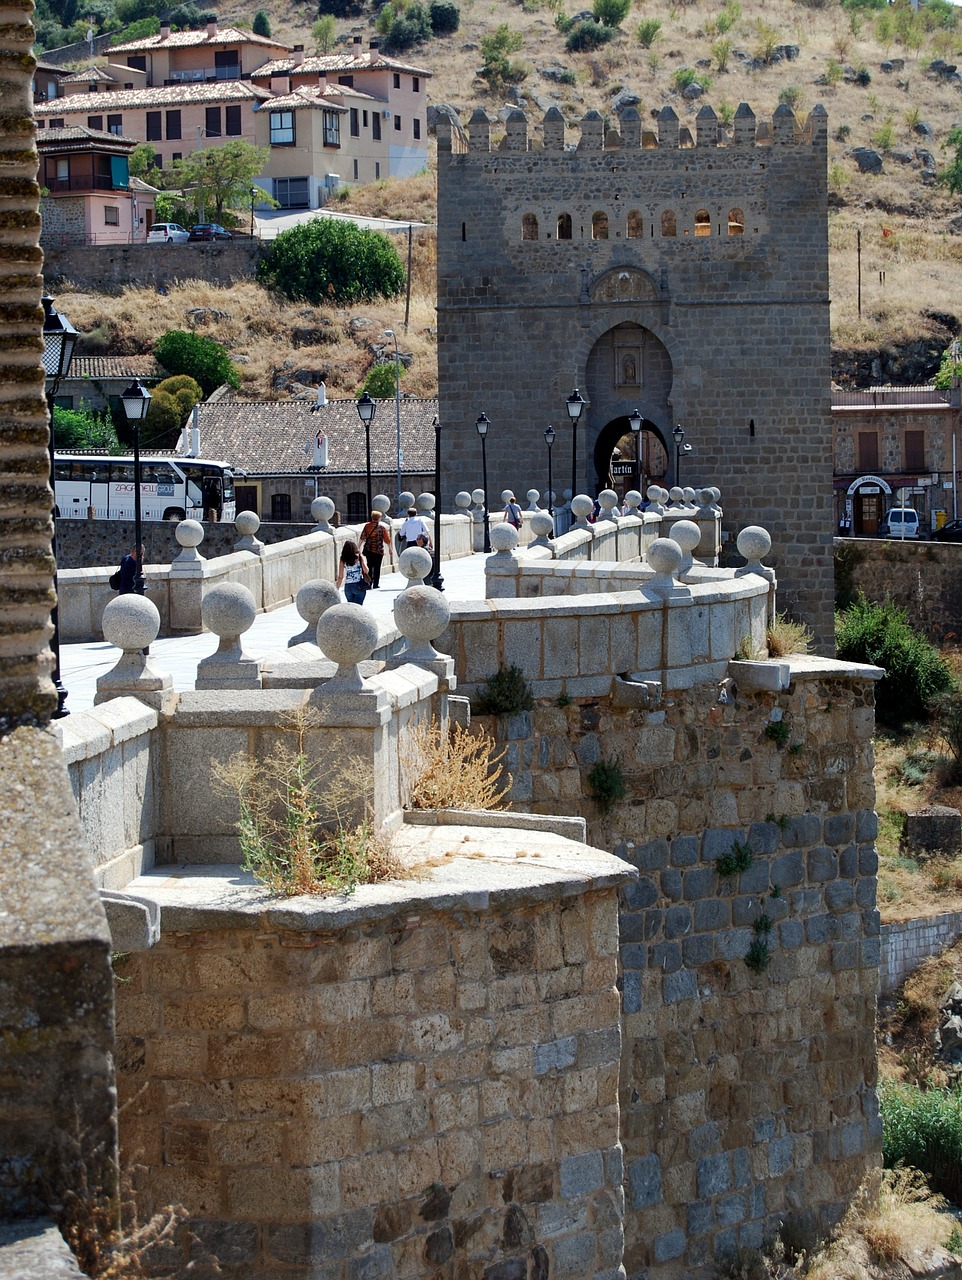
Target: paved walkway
<point>272,223</point>
<point>81,664</point>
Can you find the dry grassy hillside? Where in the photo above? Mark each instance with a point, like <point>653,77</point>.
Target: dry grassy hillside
<point>911,241</point>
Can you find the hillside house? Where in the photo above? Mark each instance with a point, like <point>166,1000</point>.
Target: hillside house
<point>89,195</point>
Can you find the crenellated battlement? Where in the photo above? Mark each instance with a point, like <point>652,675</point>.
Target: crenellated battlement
<point>521,134</point>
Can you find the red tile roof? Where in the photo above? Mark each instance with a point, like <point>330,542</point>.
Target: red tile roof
<point>342,62</point>
<point>316,96</point>
<point>191,39</point>
<point>168,96</point>
<point>72,136</point>
<point>98,367</point>
<point>269,438</point>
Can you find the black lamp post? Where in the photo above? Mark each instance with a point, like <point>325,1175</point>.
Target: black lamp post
<point>366,409</point>
<point>576,403</point>
<point>59,341</point>
<point>549,439</point>
<point>482,425</point>
<point>678,435</point>
<point>436,580</point>
<point>136,401</point>
<point>635,421</point>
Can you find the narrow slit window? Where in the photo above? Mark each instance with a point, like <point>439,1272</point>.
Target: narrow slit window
<point>529,227</point>
<point>599,226</point>
<point>564,226</point>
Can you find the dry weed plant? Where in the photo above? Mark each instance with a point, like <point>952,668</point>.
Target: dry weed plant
<point>785,636</point>
<point>460,769</point>
<point>299,829</point>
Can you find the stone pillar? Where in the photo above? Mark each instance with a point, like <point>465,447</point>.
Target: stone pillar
<point>312,600</point>
<point>229,610</point>
<point>502,570</point>
<point>131,622</point>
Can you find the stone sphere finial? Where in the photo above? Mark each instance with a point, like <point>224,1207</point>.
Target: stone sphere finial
<point>665,557</point>
<point>477,496</point>
<point>688,493</point>
<point>405,499</point>
<point>190,533</point>
<point>676,495</point>
<point>688,535</point>
<point>581,508</point>
<point>607,500</point>
<point>753,543</point>
<point>247,523</point>
<point>415,564</point>
<point>542,526</point>
<point>506,496</point>
<point>313,599</point>
<point>347,634</point>
<point>633,501</point>
<point>381,502</point>
<point>533,495</point>
<point>321,511</point>
<point>422,614</point>
<point>462,500</point>
<point>504,538</point>
<point>657,497</point>
<point>425,504</point>
<point>228,610</point>
<point>131,622</point>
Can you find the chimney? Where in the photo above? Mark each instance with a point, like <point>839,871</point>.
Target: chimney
<point>298,57</point>
<point>374,45</point>
<point>165,31</point>
<point>358,41</point>
<point>212,28</point>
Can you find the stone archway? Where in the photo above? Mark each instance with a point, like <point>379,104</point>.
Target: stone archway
<point>615,457</point>
<point>628,368</point>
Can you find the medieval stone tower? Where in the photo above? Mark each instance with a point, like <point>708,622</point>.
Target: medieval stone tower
<point>685,277</point>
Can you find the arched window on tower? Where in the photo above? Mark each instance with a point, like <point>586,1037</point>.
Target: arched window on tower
<point>702,223</point>
<point>599,226</point>
<point>564,226</point>
<point>635,225</point>
<point>668,225</point>
<point>736,222</point>
<point>529,226</point>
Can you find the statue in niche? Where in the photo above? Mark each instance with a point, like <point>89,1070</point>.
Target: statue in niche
<point>629,371</point>
<point>627,366</point>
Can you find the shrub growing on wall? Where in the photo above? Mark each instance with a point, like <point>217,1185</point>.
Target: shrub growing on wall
<point>201,358</point>
<point>332,261</point>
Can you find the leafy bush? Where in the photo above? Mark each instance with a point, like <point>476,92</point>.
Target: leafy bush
<point>498,69</point>
<point>323,33</point>
<point>504,694</point>
<point>187,17</point>
<point>721,52</point>
<point>915,674</point>
<point>611,13</point>
<point>685,76</point>
<point>381,381</point>
<point>201,358</point>
<point>165,417</point>
<point>607,783</point>
<point>951,364</point>
<point>884,136</point>
<point>261,25</point>
<point>83,429</point>
<point>340,8</point>
<point>585,36</point>
<point>445,17</point>
<point>647,31</point>
<point>791,96</point>
<point>923,1129</point>
<point>863,77</point>
<point>403,30</point>
<point>327,260</point>
<point>138,30</point>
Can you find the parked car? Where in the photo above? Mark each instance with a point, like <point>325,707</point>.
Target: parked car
<point>210,231</point>
<point>951,531</point>
<point>900,522</point>
<point>167,233</point>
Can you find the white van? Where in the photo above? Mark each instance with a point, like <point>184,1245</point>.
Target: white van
<point>900,522</point>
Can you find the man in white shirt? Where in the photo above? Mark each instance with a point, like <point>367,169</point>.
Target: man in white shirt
<point>413,530</point>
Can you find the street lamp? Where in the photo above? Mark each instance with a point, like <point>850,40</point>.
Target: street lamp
<point>59,340</point>
<point>576,403</point>
<point>436,580</point>
<point>366,409</point>
<point>549,439</point>
<point>389,333</point>
<point>635,421</point>
<point>482,425</point>
<point>136,401</point>
<point>678,435</point>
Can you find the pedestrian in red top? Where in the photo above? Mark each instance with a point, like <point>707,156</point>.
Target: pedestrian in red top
<point>375,541</point>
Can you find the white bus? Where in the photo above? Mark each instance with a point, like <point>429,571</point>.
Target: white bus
<point>88,487</point>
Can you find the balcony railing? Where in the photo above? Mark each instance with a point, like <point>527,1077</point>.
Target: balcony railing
<point>85,182</point>
<point>198,75</point>
<point>895,398</point>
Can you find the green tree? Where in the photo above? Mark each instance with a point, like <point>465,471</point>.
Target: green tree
<point>83,429</point>
<point>262,24</point>
<point>951,175</point>
<point>220,176</point>
<point>323,33</point>
<point>203,359</point>
<point>165,417</point>
<point>611,13</point>
<point>407,29</point>
<point>327,260</point>
<point>138,30</point>
<point>496,47</point>
<point>381,381</point>
<point>951,367</point>
<point>445,17</point>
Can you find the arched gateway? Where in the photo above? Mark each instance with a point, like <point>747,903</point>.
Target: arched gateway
<point>680,272</point>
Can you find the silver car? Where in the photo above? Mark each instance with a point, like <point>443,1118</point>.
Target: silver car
<point>167,233</point>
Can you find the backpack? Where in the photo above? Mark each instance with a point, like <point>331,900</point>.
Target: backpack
<point>113,582</point>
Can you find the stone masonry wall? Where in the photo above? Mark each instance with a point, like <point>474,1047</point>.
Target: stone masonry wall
<point>747,1096</point>
<point>434,1093</point>
<point>106,267</point>
<point>921,577</point>
<point>550,311</point>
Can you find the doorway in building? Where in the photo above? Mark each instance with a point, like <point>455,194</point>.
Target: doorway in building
<point>866,496</point>
<point>618,450</point>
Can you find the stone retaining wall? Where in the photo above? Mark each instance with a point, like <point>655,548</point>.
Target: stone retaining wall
<point>907,943</point>
<point>923,578</point>
<point>111,267</point>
